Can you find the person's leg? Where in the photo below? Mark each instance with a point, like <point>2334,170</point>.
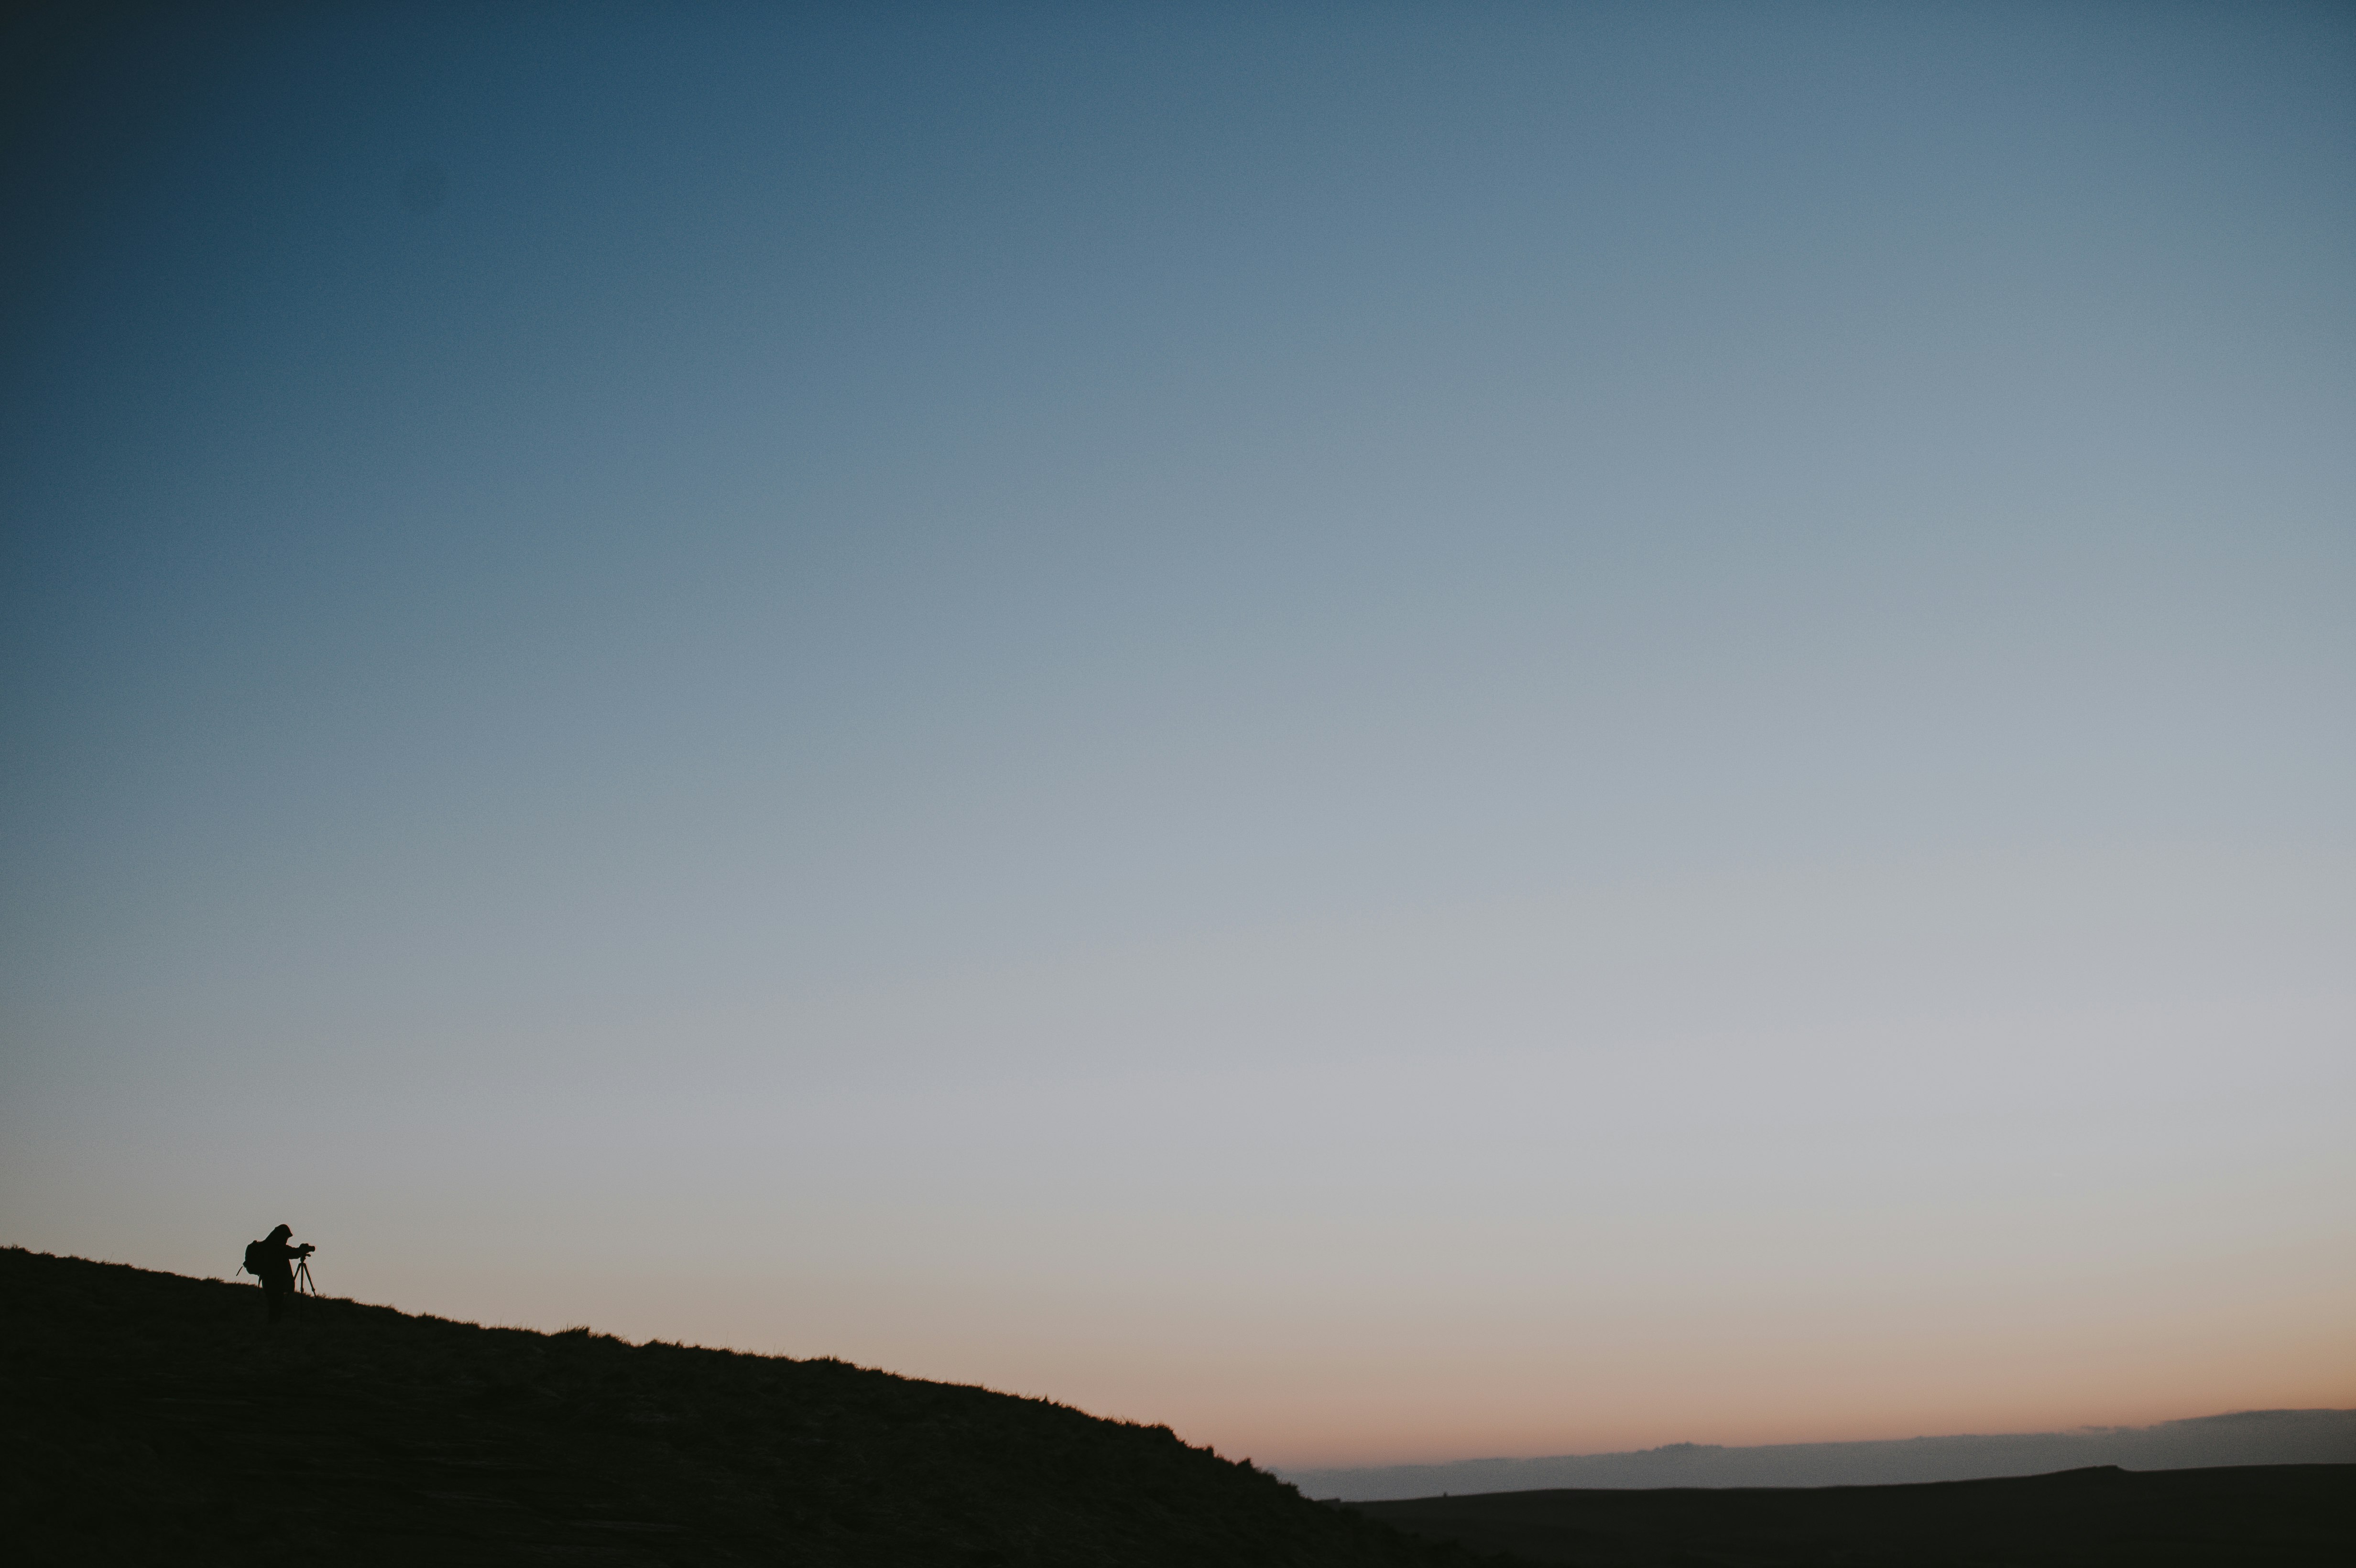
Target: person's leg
<point>277,1302</point>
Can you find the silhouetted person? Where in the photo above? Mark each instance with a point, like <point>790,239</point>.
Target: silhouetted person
<point>273,1261</point>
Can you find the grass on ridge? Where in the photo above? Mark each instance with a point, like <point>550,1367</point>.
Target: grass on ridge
<point>150,1417</point>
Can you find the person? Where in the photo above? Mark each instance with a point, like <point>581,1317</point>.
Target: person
<point>271,1261</point>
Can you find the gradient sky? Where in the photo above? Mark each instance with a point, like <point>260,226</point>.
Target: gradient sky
<point>1393,731</point>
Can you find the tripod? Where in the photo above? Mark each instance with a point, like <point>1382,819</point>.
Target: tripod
<point>303,1282</point>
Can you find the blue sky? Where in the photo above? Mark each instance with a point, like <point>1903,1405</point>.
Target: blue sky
<point>1398,732</point>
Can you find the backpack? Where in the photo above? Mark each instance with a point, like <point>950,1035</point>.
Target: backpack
<point>256,1255</point>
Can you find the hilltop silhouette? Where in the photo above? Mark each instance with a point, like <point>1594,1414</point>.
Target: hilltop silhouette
<point>150,1417</point>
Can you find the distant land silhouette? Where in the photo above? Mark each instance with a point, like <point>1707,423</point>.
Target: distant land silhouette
<point>2280,1516</point>
<point>2247,1438</point>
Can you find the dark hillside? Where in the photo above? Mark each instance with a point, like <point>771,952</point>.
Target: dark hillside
<point>2280,1516</point>
<point>154,1418</point>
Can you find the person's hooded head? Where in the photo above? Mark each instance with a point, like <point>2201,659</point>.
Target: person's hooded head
<point>281,1233</point>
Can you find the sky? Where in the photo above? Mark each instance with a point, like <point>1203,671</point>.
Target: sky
<point>1393,731</point>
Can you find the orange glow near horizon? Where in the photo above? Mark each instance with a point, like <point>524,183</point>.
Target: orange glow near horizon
<point>1291,1391</point>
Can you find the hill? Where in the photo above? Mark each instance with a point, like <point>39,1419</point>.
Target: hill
<point>150,1417</point>
<point>2203,1443</point>
<point>2281,1516</point>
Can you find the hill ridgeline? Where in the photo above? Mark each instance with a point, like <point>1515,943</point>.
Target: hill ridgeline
<point>151,1418</point>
